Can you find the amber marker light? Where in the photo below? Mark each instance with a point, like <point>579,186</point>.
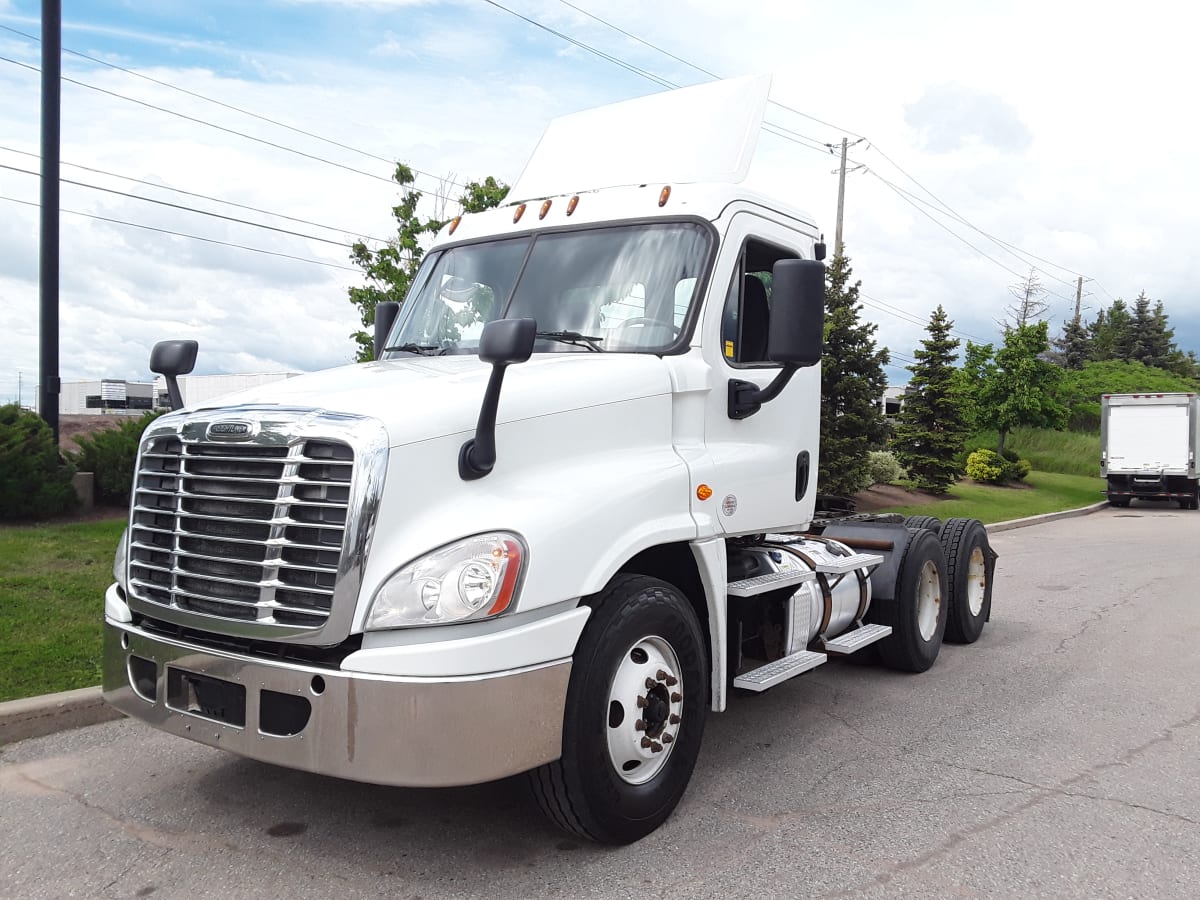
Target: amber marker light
<point>454,223</point>
<point>545,209</point>
<point>572,203</point>
<point>520,212</point>
<point>704,492</point>
<point>664,195</point>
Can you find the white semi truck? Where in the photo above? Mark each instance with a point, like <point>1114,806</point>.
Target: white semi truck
<point>1148,445</point>
<point>568,512</point>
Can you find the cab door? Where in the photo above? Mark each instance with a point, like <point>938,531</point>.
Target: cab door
<point>764,466</point>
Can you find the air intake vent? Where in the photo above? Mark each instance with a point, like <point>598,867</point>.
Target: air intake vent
<point>248,532</point>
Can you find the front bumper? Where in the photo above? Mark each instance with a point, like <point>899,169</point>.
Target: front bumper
<point>409,731</point>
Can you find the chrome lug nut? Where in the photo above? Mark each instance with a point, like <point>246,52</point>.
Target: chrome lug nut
<point>674,720</point>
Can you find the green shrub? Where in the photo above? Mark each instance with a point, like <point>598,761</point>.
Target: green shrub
<point>111,455</point>
<point>35,481</point>
<point>884,467</point>
<point>985,467</point>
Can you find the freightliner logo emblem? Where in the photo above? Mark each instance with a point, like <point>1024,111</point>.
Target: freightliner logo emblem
<point>229,431</point>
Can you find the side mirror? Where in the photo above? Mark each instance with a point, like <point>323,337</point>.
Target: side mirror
<point>797,312</point>
<point>385,318</point>
<point>506,341</point>
<point>503,342</point>
<point>172,359</point>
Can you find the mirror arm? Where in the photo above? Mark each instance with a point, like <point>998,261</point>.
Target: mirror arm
<point>478,454</point>
<point>746,397</point>
<point>173,392</point>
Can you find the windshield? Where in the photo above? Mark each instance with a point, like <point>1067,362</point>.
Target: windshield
<point>628,288</point>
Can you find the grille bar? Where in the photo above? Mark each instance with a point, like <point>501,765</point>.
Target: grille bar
<point>250,533</point>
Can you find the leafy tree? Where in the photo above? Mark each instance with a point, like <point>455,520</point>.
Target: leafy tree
<point>931,430</point>
<point>852,381</point>
<point>1020,388</point>
<point>390,269</point>
<point>976,369</point>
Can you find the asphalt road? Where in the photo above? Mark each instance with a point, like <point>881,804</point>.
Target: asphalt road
<point>1057,757</point>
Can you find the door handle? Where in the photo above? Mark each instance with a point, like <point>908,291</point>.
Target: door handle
<point>802,469</point>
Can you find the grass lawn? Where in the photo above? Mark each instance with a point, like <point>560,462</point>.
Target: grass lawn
<point>1054,492</point>
<point>52,582</point>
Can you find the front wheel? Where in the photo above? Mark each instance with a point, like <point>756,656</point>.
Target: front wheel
<point>634,716</point>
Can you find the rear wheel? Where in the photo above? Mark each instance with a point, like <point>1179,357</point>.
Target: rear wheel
<point>634,715</point>
<point>917,613</point>
<point>969,567</point>
<point>930,523</point>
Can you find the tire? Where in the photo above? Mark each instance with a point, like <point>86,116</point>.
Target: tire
<point>931,523</point>
<point>970,564</point>
<point>608,786</point>
<point>917,613</point>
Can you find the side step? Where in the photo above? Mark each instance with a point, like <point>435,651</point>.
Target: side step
<point>781,670</point>
<point>773,581</point>
<point>855,640</point>
<point>844,564</point>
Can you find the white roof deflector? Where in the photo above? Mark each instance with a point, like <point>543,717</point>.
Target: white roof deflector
<point>702,133</point>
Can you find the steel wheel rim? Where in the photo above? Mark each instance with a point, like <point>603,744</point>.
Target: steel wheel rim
<point>929,600</point>
<point>976,581</point>
<point>645,710</point>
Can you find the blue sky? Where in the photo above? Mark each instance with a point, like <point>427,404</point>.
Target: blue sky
<point>1064,129</point>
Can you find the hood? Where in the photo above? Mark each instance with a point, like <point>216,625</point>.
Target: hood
<point>426,397</point>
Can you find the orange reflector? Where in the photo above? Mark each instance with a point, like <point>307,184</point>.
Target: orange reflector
<point>454,223</point>
<point>520,212</point>
<point>572,203</point>
<point>545,209</point>
<point>704,492</point>
<point>664,195</point>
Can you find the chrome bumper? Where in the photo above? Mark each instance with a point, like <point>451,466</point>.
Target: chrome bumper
<point>415,732</point>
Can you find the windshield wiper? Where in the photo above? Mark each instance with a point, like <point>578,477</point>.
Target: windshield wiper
<point>574,338</point>
<point>410,347</point>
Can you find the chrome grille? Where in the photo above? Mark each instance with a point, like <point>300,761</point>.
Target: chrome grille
<point>248,532</point>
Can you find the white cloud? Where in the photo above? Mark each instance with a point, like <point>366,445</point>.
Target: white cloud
<point>1081,154</point>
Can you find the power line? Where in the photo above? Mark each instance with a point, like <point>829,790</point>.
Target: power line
<point>194,237</point>
<point>191,209</point>
<point>174,190</point>
<point>229,106</point>
<point>692,65</point>
<point>233,131</point>
<point>787,134</point>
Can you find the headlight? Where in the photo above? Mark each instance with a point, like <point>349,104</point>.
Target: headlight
<point>475,578</point>
<point>121,562</point>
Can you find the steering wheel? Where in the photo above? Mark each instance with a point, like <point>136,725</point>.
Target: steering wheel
<point>643,322</point>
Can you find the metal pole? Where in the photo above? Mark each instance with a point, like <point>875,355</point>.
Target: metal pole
<point>48,277</point>
<point>837,237</point>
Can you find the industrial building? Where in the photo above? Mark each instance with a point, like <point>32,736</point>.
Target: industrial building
<point>113,396</point>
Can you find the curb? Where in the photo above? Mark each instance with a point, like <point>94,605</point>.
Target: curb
<point>33,717</point>
<point>50,713</point>
<point>1045,517</point>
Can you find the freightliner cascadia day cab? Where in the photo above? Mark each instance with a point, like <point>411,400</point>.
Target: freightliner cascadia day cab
<point>1148,445</point>
<point>568,511</point>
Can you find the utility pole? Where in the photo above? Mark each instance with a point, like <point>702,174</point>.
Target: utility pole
<point>1078,298</point>
<point>837,237</point>
<point>49,384</point>
<point>19,397</point>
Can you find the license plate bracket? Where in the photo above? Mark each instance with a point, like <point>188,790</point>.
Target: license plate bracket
<point>207,697</point>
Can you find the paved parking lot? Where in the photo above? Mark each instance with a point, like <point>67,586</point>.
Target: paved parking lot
<point>1057,757</point>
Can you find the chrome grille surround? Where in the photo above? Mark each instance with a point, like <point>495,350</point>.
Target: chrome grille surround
<point>260,531</point>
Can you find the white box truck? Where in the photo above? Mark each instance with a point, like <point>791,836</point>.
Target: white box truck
<point>1148,446</point>
<point>567,513</point>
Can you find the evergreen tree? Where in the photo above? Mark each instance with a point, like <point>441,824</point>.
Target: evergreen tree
<point>1020,388</point>
<point>931,431</point>
<point>1074,345</point>
<point>391,268</point>
<point>852,381</point>
<point>1110,333</point>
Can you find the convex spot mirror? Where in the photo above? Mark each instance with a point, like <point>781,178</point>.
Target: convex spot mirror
<point>797,312</point>
<point>173,357</point>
